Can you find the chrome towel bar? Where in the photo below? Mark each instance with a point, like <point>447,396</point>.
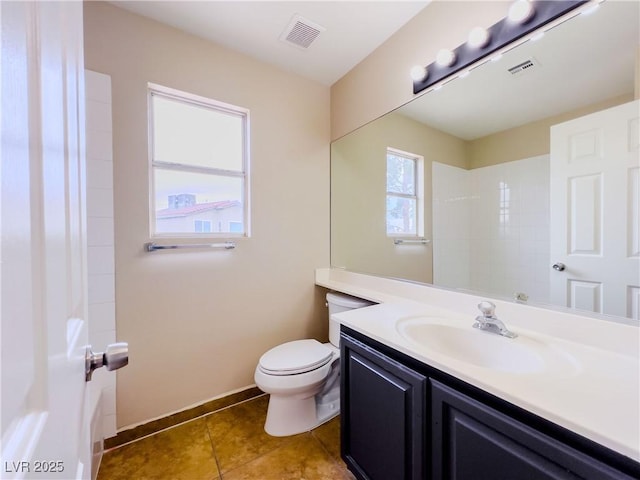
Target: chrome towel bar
<point>404,241</point>
<point>152,247</point>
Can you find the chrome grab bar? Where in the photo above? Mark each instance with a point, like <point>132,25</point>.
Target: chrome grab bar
<point>152,247</point>
<point>403,241</point>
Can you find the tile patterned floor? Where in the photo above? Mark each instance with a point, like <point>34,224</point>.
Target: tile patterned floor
<point>230,444</point>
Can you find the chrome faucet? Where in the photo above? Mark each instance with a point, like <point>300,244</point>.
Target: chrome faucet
<point>489,322</point>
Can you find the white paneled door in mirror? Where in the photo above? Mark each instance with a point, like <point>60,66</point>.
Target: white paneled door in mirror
<point>594,169</point>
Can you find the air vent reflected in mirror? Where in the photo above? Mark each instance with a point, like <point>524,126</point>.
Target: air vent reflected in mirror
<point>527,65</point>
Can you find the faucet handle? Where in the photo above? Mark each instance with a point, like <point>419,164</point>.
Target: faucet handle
<point>487,308</point>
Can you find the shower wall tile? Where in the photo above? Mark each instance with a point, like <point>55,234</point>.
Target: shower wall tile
<point>109,425</point>
<point>99,146</point>
<point>109,400</point>
<point>103,316</point>
<point>97,86</point>
<point>101,288</point>
<point>99,231</point>
<point>100,241</point>
<point>99,200</point>
<point>451,247</point>
<point>101,259</point>
<point>100,175</point>
<point>491,228</point>
<point>99,115</point>
<point>511,210</point>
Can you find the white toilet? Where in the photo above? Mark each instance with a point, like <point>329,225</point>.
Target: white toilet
<point>303,377</point>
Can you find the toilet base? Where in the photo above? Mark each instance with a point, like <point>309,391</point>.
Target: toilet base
<point>287,416</point>
<point>290,416</point>
<point>327,411</point>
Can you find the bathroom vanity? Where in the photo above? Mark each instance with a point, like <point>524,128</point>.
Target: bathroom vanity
<point>424,395</point>
<point>403,419</point>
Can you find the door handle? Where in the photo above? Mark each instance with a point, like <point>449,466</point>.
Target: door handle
<point>559,266</point>
<point>114,357</point>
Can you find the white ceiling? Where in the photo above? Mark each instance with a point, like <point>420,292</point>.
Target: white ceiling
<point>353,29</point>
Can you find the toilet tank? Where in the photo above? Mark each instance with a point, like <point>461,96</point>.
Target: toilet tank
<point>341,302</point>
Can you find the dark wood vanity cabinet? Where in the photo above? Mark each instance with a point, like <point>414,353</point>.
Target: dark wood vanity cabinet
<point>471,441</point>
<point>403,420</point>
<point>383,407</point>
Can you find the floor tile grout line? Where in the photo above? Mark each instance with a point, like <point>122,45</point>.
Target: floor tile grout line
<point>186,421</point>
<point>337,461</point>
<point>286,441</point>
<point>275,449</point>
<point>215,453</point>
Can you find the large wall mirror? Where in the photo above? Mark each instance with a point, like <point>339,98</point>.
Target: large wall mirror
<point>520,179</point>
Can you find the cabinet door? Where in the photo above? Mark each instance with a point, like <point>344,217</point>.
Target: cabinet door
<point>382,415</point>
<point>472,441</point>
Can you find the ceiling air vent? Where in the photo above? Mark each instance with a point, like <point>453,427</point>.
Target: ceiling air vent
<point>527,65</point>
<point>301,32</point>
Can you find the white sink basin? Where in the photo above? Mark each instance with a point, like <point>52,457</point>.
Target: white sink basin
<point>483,349</point>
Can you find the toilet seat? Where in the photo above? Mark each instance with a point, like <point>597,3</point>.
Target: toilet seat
<point>291,358</point>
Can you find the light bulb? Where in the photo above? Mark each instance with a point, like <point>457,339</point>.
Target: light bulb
<point>445,57</point>
<point>478,37</point>
<point>520,11</point>
<point>419,73</point>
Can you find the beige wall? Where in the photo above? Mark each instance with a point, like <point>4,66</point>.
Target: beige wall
<point>637,84</point>
<point>197,321</point>
<point>381,82</point>
<point>358,190</point>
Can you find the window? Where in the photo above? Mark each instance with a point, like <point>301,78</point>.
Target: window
<point>404,194</point>
<point>235,227</point>
<point>199,166</point>
<point>202,226</point>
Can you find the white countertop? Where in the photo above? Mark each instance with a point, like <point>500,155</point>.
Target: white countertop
<point>597,396</point>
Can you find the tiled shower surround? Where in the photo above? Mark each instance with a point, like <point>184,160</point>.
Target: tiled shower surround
<point>491,228</point>
<point>100,254</point>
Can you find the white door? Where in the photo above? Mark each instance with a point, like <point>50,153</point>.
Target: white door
<point>595,214</point>
<point>44,329</point>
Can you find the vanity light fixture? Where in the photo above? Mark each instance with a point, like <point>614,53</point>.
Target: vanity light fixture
<point>445,57</point>
<point>478,37</point>
<point>520,11</point>
<point>524,18</point>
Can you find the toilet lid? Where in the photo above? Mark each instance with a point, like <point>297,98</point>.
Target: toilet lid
<point>294,357</point>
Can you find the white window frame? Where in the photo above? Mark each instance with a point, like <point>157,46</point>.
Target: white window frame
<point>192,99</point>
<point>418,188</point>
